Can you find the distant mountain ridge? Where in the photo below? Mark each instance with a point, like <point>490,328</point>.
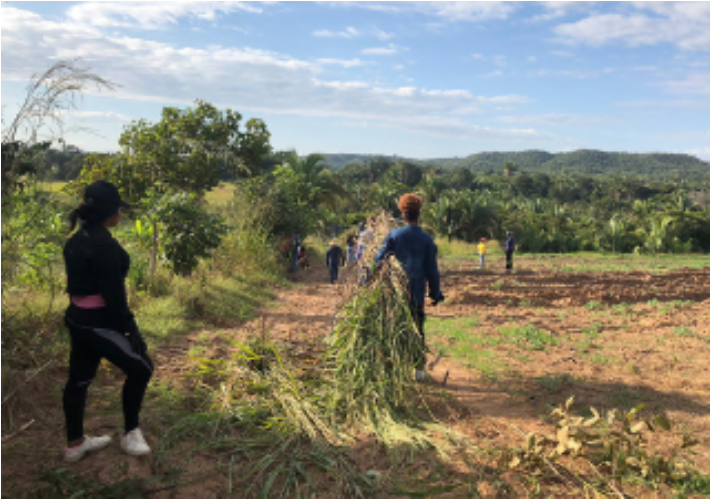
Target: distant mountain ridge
<point>582,162</point>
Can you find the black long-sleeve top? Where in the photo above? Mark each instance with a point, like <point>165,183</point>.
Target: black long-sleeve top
<point>97,264</point>
<point>335,256</point>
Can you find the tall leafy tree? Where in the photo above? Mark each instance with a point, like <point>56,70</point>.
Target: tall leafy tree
<point>188,149</point>
<point>326,189</point>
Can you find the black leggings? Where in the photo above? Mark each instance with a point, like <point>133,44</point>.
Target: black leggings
<point>419,317</point>
<point>88,346</point>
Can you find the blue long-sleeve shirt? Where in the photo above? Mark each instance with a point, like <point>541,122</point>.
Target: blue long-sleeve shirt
<point>416,251</point>
<point>510,244</point>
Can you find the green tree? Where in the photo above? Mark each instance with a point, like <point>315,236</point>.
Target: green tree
<point>188,149</point>
<point>189,232</point>
<point>509,169</point>
<point>325,187</point>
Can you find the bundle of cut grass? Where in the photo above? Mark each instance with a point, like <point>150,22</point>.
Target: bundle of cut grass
<point>374,347</point>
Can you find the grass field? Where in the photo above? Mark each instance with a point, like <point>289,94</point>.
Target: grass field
<point>219,195</point>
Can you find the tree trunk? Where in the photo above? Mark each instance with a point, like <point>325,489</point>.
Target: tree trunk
<point>154,250</point>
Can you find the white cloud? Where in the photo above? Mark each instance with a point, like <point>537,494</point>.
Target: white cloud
<point>345,63</point>
<point>150,14</point>
<point>576,74</point>
<point>96,115</point>
<point>562,53</point>
<point>448,127</point>
<point>702,153</point>
<point>698,83</point>
<point>348,32</point>
<point>684,24</point>
<point>690,104</point>
<point>390,50</point>
<point>552,119</point>
<point>460,11</point>
<point>556,10</point>
<point>505,99</point>
<point>246,79</point>
<point>531,59</point>
<point>382,35</point>
<point>467,11</point>
<point>493,74</point>
<point>351,32</point>
<point>478,57</point>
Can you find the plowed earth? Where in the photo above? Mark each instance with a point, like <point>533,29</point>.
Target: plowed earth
<point>505,349</point>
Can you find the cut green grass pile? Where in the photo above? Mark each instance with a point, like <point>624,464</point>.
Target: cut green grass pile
<point>374,348</point>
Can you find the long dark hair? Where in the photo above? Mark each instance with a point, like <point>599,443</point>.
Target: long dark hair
<point>89,214</point>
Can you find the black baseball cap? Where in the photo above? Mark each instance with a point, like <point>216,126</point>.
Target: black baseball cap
<point>104,197</point>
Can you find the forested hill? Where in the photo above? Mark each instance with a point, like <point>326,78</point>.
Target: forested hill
<point>583,161</point>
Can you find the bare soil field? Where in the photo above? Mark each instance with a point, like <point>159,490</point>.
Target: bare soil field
<point>505,349</point>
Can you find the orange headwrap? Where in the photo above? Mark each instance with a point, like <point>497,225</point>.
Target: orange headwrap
<point>410,204</point>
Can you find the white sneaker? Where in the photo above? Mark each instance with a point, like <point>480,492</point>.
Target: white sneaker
<point>420,375</point>
<point>76,453</point>
<point>134,443</point>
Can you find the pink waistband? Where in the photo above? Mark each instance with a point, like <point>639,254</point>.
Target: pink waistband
<point>88,301</point>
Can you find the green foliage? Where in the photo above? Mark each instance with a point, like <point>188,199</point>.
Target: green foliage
<point>33,234</point>
<point>189,148</point>
<point>20,163</point>
<point>464,215</point>
<point>285,200</point>
<point>585,162</point>
<point>188,231</point>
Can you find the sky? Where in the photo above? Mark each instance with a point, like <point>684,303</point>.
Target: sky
<point>413,79</point>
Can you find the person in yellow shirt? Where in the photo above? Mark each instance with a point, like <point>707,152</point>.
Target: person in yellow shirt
<point>481,253</point>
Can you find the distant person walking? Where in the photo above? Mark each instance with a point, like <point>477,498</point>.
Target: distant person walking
<point>334,258</point>
<point>295,251</point>
<point>481,253</point>
<point>366,238</point>
<point>509,251</point>
<point>416,251</point>
<point>101,326</point>
<point>352,249</point>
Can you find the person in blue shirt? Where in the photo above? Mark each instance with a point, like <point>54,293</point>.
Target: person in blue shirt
<point>417,252</point>
<point>509,250</point>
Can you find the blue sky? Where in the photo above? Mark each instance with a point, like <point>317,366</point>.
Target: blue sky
<point>420,79</point>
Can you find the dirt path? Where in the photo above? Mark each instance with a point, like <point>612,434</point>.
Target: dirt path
<point>493,411</point>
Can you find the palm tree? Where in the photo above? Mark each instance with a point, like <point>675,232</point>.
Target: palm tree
<point>617,229</point>
<point>326,188</point>
<point>509,169</point>
<point>658,234</point>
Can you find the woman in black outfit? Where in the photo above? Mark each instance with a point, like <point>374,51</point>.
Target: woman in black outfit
<point>100,323</point>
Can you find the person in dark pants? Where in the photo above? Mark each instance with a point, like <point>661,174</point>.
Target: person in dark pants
<point>417,252</point>
<point>334,258</point>
<point>295,251</point>
<point>509,250</point>
<point>100,323</point>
